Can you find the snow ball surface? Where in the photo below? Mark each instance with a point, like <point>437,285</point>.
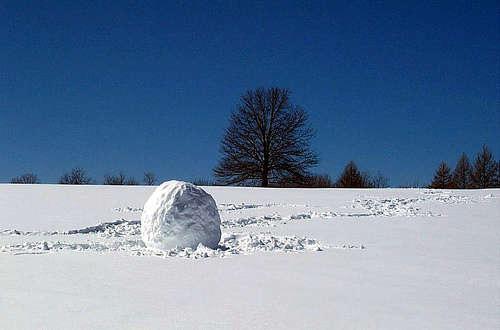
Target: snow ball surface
<point>180,215</point>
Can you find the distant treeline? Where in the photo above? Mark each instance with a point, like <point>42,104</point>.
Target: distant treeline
<point>79,176</point>
<point>484,173</point>
<point>351,177</point>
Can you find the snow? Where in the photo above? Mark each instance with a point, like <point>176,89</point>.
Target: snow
<point>73,257</point>
<point>180,215</point>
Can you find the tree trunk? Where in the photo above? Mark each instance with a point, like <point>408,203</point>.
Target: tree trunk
<point>265,179</point>
<point>265,165</point>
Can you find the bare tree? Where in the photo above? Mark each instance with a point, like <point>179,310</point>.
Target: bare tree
<point>27,178</point>
<point>120,180</point>
<point>462,173</point>
<point>442,178</point>
<point>115,180</point>
<point>131,181</point>
<point>351,177</point>
<point>484,171</point>
<point>76,176</point>
<point>267,141</point>
<point>149,179</point>
<point>378,181</point>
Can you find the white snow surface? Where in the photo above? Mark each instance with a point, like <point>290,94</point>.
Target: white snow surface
<point>74,257</point>
<point>180,215</point>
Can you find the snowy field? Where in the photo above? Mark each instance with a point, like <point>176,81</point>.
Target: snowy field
<point>72,257</point>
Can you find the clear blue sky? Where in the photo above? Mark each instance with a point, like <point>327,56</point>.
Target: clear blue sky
<point>396,86</point>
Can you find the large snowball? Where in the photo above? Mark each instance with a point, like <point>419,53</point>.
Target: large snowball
<point>180,214</point>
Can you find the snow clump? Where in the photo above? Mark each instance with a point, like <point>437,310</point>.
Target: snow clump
<point>180,215</point>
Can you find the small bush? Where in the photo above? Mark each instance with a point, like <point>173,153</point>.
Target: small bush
<point>27,178</point>
<point>76,176</point>
<point>120,180</point>
<point>149,179</point>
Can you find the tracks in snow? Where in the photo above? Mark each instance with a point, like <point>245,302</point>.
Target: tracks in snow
<point>124,236</point>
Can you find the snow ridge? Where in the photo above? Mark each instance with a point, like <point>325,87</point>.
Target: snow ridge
<point>125,236</point>
<point>230,244</point>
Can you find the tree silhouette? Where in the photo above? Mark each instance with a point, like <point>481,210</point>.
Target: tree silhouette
<point>379,181</point>
<point>442,178</point>
<point>131,181</point>
<point>462,173</point>
<point>351,177</point>
<point>485,169</point>
<point>115,180</point>
<point>149,178</point>
<point>76,176</point>
<point>119,180</point>
<point>27,178</point>
<point>267,141</point>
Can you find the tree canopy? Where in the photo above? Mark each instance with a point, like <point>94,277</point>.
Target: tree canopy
<point>267,141</point>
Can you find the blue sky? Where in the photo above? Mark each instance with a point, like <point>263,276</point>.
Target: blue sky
<point>134,86</point>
